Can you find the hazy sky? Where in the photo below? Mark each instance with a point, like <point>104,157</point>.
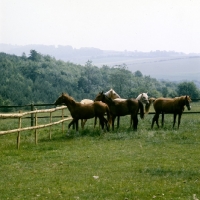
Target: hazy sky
<point>142,25</point>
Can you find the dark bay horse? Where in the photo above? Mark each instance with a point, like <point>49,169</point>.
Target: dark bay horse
<point>143,97</point>
<point>170,105</point>
<point>122,108</point>
<point>85,111</point>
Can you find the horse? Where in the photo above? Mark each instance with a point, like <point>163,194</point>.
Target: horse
<point>122,108</point>
<point>85,111</point>
<point>173,106</point>
<point>148,105</point>
<point>143,97</point>
<point>112,94</point>
<point>85,101</point>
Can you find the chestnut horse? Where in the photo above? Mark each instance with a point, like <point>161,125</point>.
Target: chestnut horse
<point>84,111</point>
<point>122,108</point>
<point>110,93</point>
<point>170,105</point>
<point>83,121</point>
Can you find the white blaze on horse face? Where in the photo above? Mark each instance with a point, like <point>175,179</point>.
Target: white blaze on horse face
<point>143,98</point>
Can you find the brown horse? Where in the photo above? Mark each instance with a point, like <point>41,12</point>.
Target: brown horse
<point>122,108</point>
<point>170,105</point>
<point>84,111</point>
<point>83,121</point>
<point>148,105</point>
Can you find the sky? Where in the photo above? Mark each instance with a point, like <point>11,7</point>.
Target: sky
<point>132,25</point>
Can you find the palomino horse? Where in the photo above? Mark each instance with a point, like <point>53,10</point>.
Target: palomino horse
<point>84,111</point>
<point>122,108</point>
<point>170,105</point>
<point>112,94</point>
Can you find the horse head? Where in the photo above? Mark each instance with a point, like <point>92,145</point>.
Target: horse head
<point>187,102</point>
<point>112,94</point>
<point>60,100</point>
<point>99,96</point>
<point>143,98</point>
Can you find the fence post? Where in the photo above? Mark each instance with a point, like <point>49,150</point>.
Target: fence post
<point>50,126</point>
<point>36,128</point>
<point>32,115</point>
<point>62,122</point>
<point>18,135</point>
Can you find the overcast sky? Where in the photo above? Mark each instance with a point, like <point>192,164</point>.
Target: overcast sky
<point>142,25</point>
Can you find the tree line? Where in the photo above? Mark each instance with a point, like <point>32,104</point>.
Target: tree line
<point>38,78</point>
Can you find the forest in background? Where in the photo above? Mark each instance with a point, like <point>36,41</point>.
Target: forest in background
<point>38,78</point>
<point>162,65</point>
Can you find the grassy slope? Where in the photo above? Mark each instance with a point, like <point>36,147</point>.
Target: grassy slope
<point>158,163</point>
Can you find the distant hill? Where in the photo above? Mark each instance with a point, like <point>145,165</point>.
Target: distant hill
<point>172,66</point>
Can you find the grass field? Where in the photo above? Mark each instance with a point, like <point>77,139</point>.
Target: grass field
<point>147,164</point>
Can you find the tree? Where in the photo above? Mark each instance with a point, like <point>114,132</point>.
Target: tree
<point>188,88</point>
<point>121,79</point>
<point>138,74</point>
<point>34,55</point>
<point>164,91</point>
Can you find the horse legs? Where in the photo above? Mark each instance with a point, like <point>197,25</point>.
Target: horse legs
<point>107,124</point>
<point>118,120</point>
<point>135,122</point>
<point>162,119</point>
<point>131,121</point>
<point>113,122</point>
<point>155,119</point>
<point>83,121</point>
<point>175,120</point>
<point>101,120</point>
<point>73,122</point>
<point>179,120</point>
<point>73,125</point>
<point>95,122</point>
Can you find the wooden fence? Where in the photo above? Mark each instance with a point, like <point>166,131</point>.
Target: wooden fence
<point>35,126</point>
<point>34,118</point>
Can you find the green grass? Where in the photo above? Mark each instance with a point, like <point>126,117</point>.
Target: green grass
<point>147,164</point>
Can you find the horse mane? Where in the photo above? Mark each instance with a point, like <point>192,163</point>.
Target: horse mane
<point>69,97</point>
<point>108,98</point>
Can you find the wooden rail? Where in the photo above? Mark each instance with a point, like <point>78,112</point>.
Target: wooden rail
<point>36,126</point>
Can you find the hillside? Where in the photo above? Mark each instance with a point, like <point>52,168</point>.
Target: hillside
<point>162,65</point>
<point>41,79</point>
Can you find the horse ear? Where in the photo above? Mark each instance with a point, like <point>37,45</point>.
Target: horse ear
<point>102,92</point>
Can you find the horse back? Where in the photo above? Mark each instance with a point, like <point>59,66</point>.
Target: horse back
<point>167,105</point>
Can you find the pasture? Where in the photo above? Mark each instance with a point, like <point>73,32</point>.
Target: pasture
<point>122,164</point>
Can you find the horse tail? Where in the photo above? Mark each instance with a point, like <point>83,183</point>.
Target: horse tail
<point>141,108</point>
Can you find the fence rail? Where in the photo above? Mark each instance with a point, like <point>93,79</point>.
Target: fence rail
<point>36,126</point>
<point>34,118</point>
